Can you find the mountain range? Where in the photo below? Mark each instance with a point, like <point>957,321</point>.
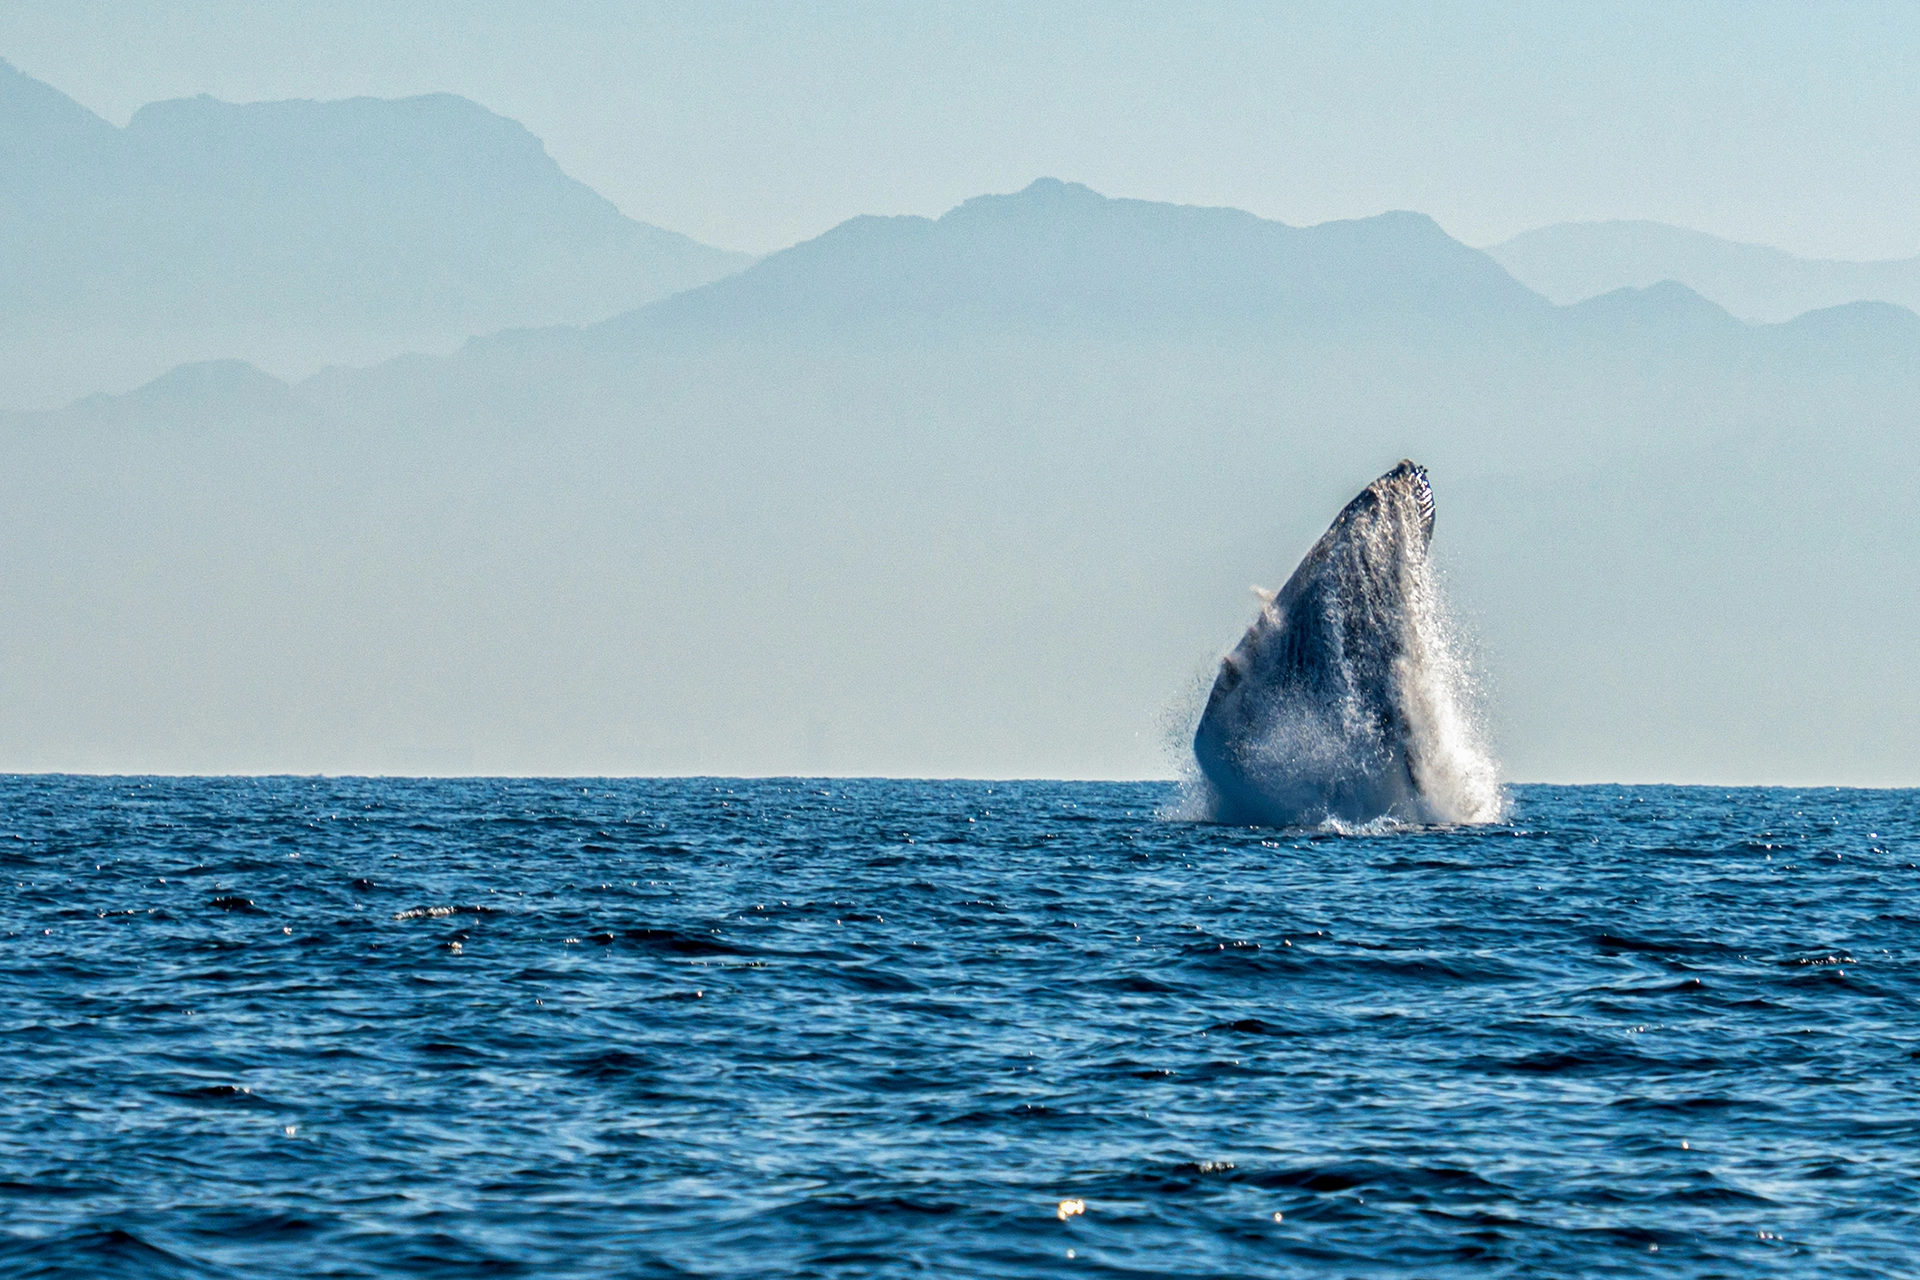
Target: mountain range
<point>294,235</point>
<point>979,494</point>
<point>1573,261</point>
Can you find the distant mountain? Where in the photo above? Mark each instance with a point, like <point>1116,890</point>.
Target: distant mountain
<point>1572,261</point>
<point>295,233</point>
<point>979,494</point>
<point>1058,256</point>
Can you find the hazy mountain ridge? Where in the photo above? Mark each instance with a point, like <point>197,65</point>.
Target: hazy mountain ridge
<point>183,393</point>
<point>1001,520</point>
<point>1573,261</point>
<point>1059,256</point>
<point>296,233</point>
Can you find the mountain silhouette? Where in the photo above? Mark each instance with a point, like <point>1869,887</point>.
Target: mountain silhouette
<point>979,494</point>
<point>293,233</point>
<point>1060,257</point>
<point>1572,261</point>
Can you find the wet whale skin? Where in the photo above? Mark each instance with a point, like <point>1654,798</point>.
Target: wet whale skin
<point>1313,715</point>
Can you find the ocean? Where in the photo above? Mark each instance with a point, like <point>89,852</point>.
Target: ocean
<point>699,1027</point>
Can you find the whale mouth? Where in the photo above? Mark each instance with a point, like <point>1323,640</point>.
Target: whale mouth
<point>1415,477</point>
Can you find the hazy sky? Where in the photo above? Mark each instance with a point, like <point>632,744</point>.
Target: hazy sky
<point>752,125</point>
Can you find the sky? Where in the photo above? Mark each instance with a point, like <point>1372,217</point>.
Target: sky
<point>752,126</point>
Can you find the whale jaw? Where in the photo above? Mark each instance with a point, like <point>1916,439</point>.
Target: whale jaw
<point>1310,717</point>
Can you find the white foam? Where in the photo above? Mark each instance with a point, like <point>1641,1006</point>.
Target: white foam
<point>1458,779</point>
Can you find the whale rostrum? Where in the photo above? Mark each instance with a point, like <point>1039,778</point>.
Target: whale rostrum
<point>1344,701</point>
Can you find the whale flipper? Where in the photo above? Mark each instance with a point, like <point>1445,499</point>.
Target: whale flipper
<point>1327,708</point>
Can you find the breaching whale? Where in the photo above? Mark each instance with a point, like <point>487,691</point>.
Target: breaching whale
<point>1339,702</point>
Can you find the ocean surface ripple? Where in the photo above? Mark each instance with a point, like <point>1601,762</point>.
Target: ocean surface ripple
<point>362,1027</point>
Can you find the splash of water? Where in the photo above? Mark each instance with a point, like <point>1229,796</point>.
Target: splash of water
<point>1453,768</point>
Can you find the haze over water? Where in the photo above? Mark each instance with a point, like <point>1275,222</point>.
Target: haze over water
<point>974,495</point>
<point>838,1028</point>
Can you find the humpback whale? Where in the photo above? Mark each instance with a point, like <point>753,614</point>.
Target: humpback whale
<point>1342,700</point>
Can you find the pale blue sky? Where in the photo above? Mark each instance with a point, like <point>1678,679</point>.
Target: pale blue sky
<point>752,126</point>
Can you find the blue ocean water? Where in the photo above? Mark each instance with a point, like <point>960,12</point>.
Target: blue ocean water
<point>340,1027</point>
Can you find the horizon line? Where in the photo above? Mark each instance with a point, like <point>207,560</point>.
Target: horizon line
<point>848,777</point>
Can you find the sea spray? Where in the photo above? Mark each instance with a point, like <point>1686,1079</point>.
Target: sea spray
<point>1455,772</point>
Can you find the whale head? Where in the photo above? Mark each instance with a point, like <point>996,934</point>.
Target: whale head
<point>1394,510</point>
